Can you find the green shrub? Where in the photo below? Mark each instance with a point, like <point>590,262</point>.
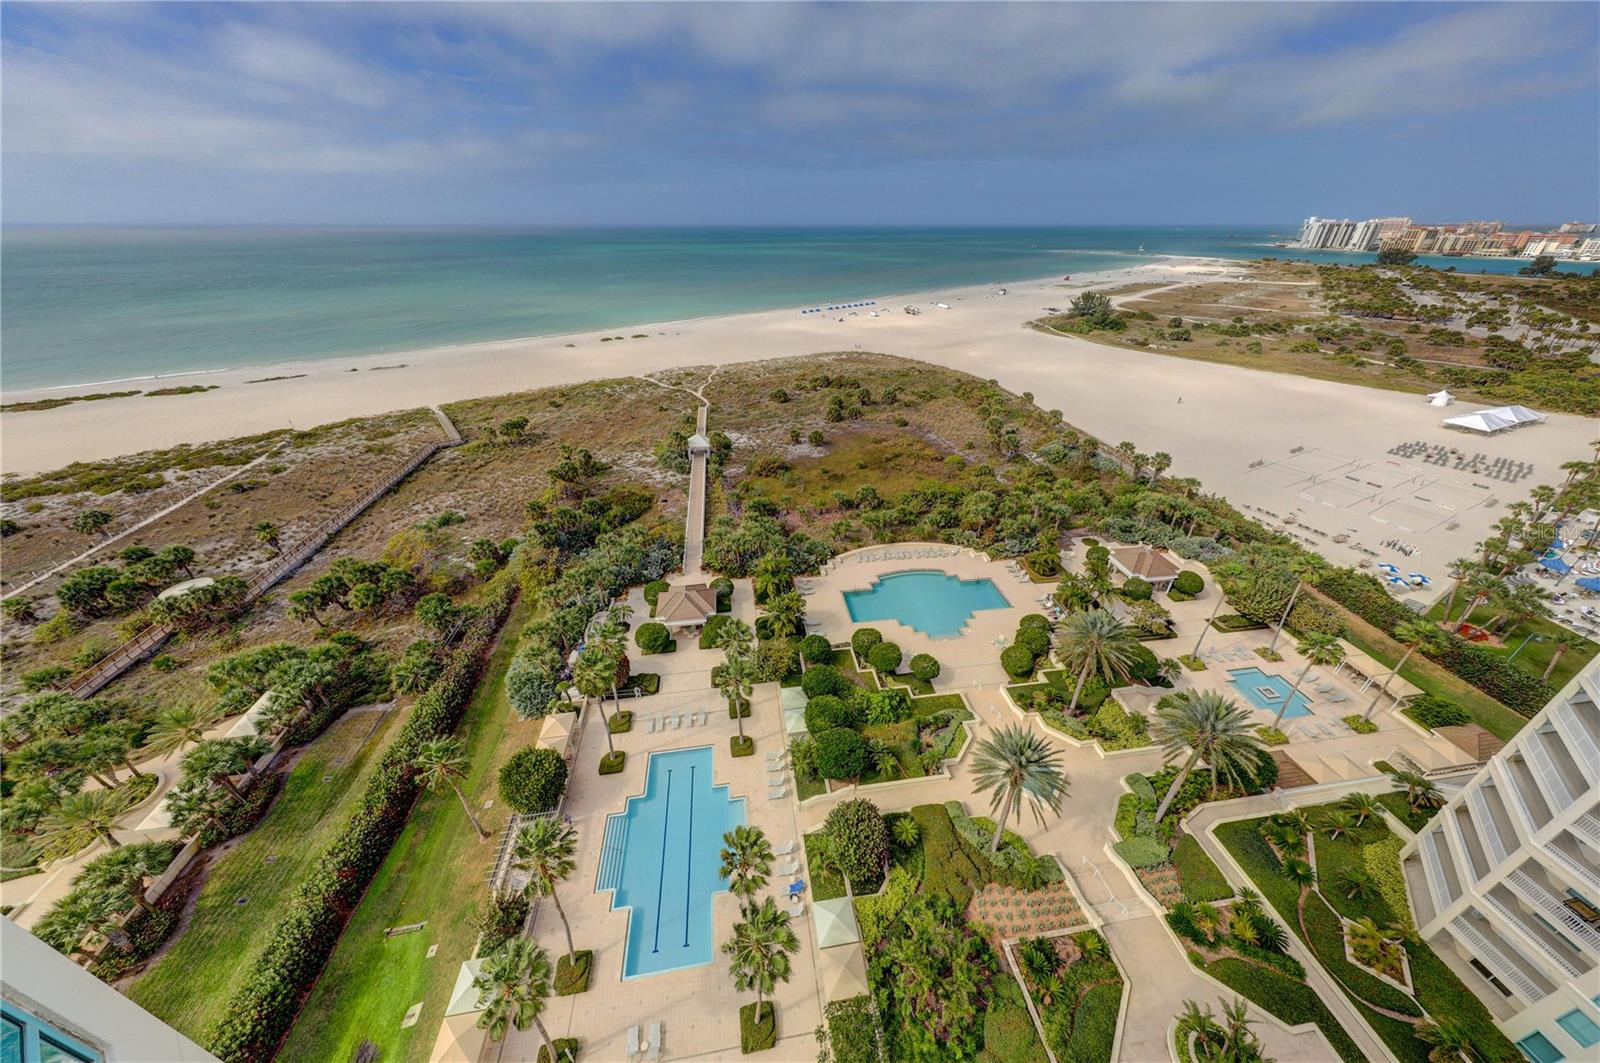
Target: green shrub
<point>853,1034</point>
<point>1135,589</point>
<point>1189,582</point>
<point>841,754</point>
<point>1272,736</point>
<point>741,747</point>
<point>864,639</point>
<point>1141,852</point>
<point>1035,641</point>
<point>1359,725</point>
<point>885,657</point>
<point>713,625</point>
<point>1046,564</point>
<point>1285,998</point>
<point>1432,711</point>
<point>1035,621</point>
<point>722,586</point>
<point>757,1034</point>
<point>926,667</point>
<point>827,711</point>
<point>1202,881</point>
<point>951,867</point>
<point>1017,661</point>
<point>572,976</point>
<point>652,637</point>
<point>654,590</point>
<point>613,762</point>
<point>533,779</point>
<point>621,722</point>
<point>820,679</point>
<point>816,649</point>
<point>859,837</point>
<point>566,1050</point>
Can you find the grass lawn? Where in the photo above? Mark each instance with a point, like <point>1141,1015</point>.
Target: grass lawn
<point>189,987</point>
<point>434,873</point>
<point>1397,804</point>
<point>1534,657</point>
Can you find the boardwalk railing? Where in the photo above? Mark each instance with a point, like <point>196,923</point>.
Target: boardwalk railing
<point>146,642</point>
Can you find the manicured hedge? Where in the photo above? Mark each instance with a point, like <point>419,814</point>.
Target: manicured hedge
<point>652,637</point>
<point>1201,879</point>
<point>816,649</point>
<point>713,625</point>
<point>1189,582</point>
<point>757,1034</point>
<point>853,1034</point>
<point>951,867</point>
<point>826,711</point>
<point>1017,661</point>
<point>841,754</point>
<point>263,1008</point>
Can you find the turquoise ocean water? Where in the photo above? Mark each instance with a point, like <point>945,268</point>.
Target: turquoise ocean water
<point>84,305</point>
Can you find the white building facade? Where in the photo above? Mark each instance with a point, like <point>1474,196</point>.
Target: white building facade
<point>1506,879</point>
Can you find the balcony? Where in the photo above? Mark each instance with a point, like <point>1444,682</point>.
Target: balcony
<point>1580,729</point>
<point>1468,834</point>
<point>1588,827</point>
<point>1572,859</point>
<point>1498,962</point>
<point>1491,826</point>
<point>1559,755</point>
<point>1441,868</point>
<point>1547,904</point>
<point>1527,791</point>
<point>1558,953</point>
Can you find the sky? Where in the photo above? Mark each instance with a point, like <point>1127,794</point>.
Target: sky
<point>797,114</point>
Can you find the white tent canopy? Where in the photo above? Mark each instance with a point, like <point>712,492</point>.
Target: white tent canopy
<point>1441,398</point>
<point>1497,419</point>
<point>835,922</point>
<point>843,972</point>
<point>793,701</point>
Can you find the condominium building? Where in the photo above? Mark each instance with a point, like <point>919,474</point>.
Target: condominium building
<point>1339,234</point>
<point>53,1011</point>
<point>1505,879</point>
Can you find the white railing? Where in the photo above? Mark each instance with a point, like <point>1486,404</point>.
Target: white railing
<point>1487,826</point>
<point>1438,886</point>
<point>1578,739</point>
<point>1580,867</point>
<point>1588,826</point>
<point>1548,775</point>
<point>1551,952</point>
<point>1496,960</point>
<point>1531,891</point>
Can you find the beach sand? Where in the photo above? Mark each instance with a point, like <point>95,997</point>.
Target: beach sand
<point>1229,417</point>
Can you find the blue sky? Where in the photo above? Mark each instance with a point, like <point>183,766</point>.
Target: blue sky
<point>798,114</point>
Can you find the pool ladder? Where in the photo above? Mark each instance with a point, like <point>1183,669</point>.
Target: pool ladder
<point>611,849</point>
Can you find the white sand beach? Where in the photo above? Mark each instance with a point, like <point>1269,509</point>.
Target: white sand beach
<point>1228,419</point>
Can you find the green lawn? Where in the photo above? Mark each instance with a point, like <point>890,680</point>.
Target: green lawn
<point>434,873</point>
<point>1534,657</point>
<point>1396,802</point>
<point>190,985</point>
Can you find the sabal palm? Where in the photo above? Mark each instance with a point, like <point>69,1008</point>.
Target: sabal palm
<point>1096,643</point>
<point>1362,806</point>
<point>219,759</point>
<point>191,808</point>
<point>737,637</point>
<point>1520,604</point>
<point>735,679</point>
<point>82,818</point>
<point>1413,634</point>
<point>1421,792</point>
<point>545,850</point>
<point>1563,641</point>
<point>440,762</point>
<point>786,613</point>
<point>1447,1040</point>
<point>1357,884</point>
<point>513,987</point>
<point>1338,823</point>
<point>1211,727</point>
<point>759,949</point>
<point>125,869</point>
<point>1305,568</point>
<point>1461,569</point>
<point>746,861</point>
<point>1319,650</point>
<point>593,674</point>
<point>180,727</point>
<point>1017,764</point>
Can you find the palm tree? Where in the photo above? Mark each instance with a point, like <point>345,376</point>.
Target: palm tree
<point>513,986</point>
<point>220,759</point>
<point>267,534</point>
<point>1338,823</point>
<point>192,807</point>
<point>884,759</point>
<point>786,613</point>
<point>82,818</point>
<point>760,948</point>
<point>612,637</point>
<point>1319,650</point>
<point>179,727</point>
<point>1300,872</point>
<point>1447,1040</point>
<point>1563,641</point>
<point>545,849</point>
<point>1362,806</point>
<point>906,832</point>
<point>1357,884</point>
<point>126,868</point>
<point>1413,634</point>
<point>593,674</point>
<point>1306,568</point>
<point>737,637</point>
<point>1461,569</point>
<point>1210,727</point>
<point>746,861</point>
<point>1205,1040</point>
<point>440,762</point>
<point>1518,605</point>
<point>1095,642</point>
<point>1017,763</point>
<point>824,857</point>
<point>1483,585</point>
<point>735,680</point>
<point>1421,792</point>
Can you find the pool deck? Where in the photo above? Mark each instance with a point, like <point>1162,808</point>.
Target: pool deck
<point>969,659</point>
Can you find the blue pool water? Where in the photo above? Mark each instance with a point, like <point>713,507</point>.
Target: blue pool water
<point>662,858</point>
<point>1249,681</point>
<point>928,601</point>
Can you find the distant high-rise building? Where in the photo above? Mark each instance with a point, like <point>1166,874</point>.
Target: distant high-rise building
<point>1580,227</point>
<point>1505,879</point>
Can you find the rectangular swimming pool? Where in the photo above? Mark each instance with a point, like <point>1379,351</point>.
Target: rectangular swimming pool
<point>661,857</point>
<point>1267,691</point>
<point>926,600</point>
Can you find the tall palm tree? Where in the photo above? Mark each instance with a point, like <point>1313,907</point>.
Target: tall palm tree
<point>440,762</point>
<point>746,861</point>
<point>1322,651</point>
<point>1306,568</point>
<point>1210,727</point>
<point>192,807</point>
<point>1481,585</point>
<point>513,985</point>
<point>1447,1040</point>
<point>786,613</point>
<point>735,680</point>
<point>180,727</point>
<point>82,818</point>
<point>1518,605</point>
<point>545,849</point>
<point>220,759</point>
<point>126,868</point>
<point>612,637</point>
<point>1413,634</point>
<point>1096,643</point>
<point>1563,641</point>
<point>1017,764</point>
<point>760,948</point>
<point>593,674</point>
<point>1461,569</point>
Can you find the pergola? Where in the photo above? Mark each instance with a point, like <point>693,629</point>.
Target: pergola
<point>1373,671</point>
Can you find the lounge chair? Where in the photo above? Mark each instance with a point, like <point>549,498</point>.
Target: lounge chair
<point>797,909</point>
<point>652,725</point>
<point>1338,696</point>
<point>633,1041</point>
<point>797,887</point>
<point>655,1041</point>
<point>680,721</point>
<point>783,850</point>
<point>777,793</point>
<point>1325,688</point>
<point>790,868</point>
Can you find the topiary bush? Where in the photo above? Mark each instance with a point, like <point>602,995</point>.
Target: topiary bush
<point>654,590</point>
<point>864,639</point>
<point>885,657</point>
<point>816,649</point>
<point>533,779</point>
<point>825,679</point>
<point>713,625</point>
<point>1034,641</point>
<point>1017,661</point>
<point>723,586</point>
<point>841,754</point>
<point>926,667</point>
<point>1189,582</point>
<point>652,637</point>
<point>1136,590</point>
<point>859,837</point>
<point>827,711</point>
<point>1034,621</point>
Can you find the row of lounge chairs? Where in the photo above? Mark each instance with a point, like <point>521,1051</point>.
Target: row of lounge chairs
<point>1047,606</point>
<point>673,721</point>
<point>649,1047</point>
<point>1237,653</point>
<point>909,555</point>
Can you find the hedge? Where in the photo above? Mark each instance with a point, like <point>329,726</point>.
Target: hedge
<point>926,667</point>
<point>708,633</point>
<point>826,711</point>
<point>263,1008</point>
<point>816,649</point>
<point>653,590</point>
<point>1189,582</point>
<point>757,1035</point>
<point>822,679</point>
<point>652,637</point>
<point>533,779</point>
<point>841,754</point>
<point>885,657</point>
<point>1017,661</point>
<point>853,1030</point>
<point>951,867</point>
<point>1202,882</point>
<point>864,639</point>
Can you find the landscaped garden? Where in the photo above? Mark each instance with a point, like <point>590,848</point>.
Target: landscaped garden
<point>1346,901</point>
<point>1077,990</point>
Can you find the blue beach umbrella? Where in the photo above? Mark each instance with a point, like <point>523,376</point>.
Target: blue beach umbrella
<point>1419,579</point>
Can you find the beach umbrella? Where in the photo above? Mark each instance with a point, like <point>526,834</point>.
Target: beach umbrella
<point>1386,567</point>
<point>843,972</point>
<point>835,922</point>
<point>1400,580</point>
<point>1589,583</point>
<point>1419,579</point>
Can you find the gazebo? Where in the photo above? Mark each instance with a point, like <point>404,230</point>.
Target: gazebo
<point>1146,563</point>
<point>686,606</point>
<point>836,922</point>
